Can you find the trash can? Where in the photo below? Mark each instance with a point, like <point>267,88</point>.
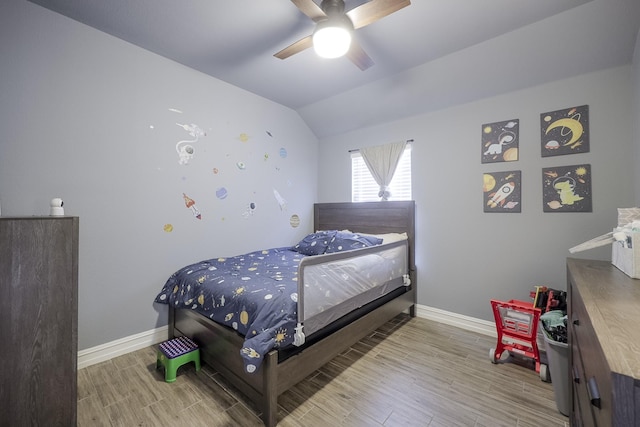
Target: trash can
<point>558,361</point>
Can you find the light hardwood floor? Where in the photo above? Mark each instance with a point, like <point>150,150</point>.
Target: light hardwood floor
<point>410,372</point>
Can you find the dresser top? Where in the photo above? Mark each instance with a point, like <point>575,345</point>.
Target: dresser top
<point>612,300</point>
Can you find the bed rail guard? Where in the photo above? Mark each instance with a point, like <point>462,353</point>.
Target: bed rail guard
<point>331,285</point>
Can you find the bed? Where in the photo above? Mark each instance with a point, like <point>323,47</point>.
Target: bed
<point>325,329</point>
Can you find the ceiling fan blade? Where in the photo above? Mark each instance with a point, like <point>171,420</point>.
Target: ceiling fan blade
<point>294,48</point>
<point>374,10</point>
<point>358,56</point>
<point>311,9</point>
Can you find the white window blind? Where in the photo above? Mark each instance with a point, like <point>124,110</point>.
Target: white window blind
<point>365,189</point>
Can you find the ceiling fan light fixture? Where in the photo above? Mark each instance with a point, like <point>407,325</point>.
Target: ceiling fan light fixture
<point>332,38</point>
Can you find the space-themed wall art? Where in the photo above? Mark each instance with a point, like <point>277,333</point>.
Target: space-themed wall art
<point>567,189</point>
<point>565,131</point>
<point>502,191</point>
<point>500,141</point>
<point>184,147</point>
<point>223,173</point>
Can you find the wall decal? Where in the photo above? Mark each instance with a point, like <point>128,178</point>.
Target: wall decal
<point>567,189</point>
<point>565,131</point>
<point>502,191</point>
<point>168,228</point>
<point>281,201</point>
<point>241,165</point>
<point>249,210</point>
<point>191,204</point>
<point>243,137</point>
<point>294,221</point>
<point>500,141</point>
<point>283,152</point>
<point>184,148</point>
<point>221,193</point>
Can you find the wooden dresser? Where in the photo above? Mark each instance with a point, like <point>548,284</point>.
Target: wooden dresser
<point>604,344</point>
<point>38,321</point>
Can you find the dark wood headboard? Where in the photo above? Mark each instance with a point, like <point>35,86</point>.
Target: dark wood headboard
<point>370,218</point>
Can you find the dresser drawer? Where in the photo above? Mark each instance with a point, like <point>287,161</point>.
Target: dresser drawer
<point>593,389</point>
<point>583,415</point>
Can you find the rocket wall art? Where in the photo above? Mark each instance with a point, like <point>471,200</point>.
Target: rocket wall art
<point>502,191</point>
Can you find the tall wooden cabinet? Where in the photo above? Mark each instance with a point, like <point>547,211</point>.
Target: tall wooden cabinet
<point>604,344</point>
<point>38,321</point>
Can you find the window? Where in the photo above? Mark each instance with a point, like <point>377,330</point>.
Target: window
<point>365,189</point>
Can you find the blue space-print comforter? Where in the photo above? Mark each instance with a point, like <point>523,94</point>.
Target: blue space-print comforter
<point>254,293</point>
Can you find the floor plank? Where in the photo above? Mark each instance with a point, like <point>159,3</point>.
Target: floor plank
<point>409,372</point>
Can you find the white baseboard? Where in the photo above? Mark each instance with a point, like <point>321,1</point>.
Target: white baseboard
<point>104,352</point>
<point>461,321</point>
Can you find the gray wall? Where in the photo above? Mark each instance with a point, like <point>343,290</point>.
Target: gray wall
<point>636,115</point>
<point>86,117</point>
<point>466,257</point>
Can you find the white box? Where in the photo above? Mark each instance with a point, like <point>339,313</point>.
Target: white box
<point>627,259</point>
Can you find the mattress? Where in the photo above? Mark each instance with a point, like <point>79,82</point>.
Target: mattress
<point>274,297</point>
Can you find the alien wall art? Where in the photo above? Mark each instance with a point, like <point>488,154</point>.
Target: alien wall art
<point>565,131</point>
<point>502,191</point>
<point>500,141</point>
<point>567,189</point>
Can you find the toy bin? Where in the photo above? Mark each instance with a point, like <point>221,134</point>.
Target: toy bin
<point>558,358</point>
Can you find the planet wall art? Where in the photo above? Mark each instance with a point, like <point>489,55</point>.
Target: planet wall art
<point>221,193</point>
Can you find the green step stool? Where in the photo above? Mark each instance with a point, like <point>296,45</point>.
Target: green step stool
<point>174,353</point>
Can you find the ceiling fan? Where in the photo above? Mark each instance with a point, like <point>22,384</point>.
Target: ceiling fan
<point>330,16</point>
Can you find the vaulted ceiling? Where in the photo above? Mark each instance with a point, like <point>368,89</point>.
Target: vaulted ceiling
<point>429,55</point>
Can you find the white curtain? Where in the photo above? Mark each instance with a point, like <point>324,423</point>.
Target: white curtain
<point>382,161</point>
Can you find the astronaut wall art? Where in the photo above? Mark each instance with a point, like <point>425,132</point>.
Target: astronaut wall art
<point>500,141</point>
<point>567,189</point>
